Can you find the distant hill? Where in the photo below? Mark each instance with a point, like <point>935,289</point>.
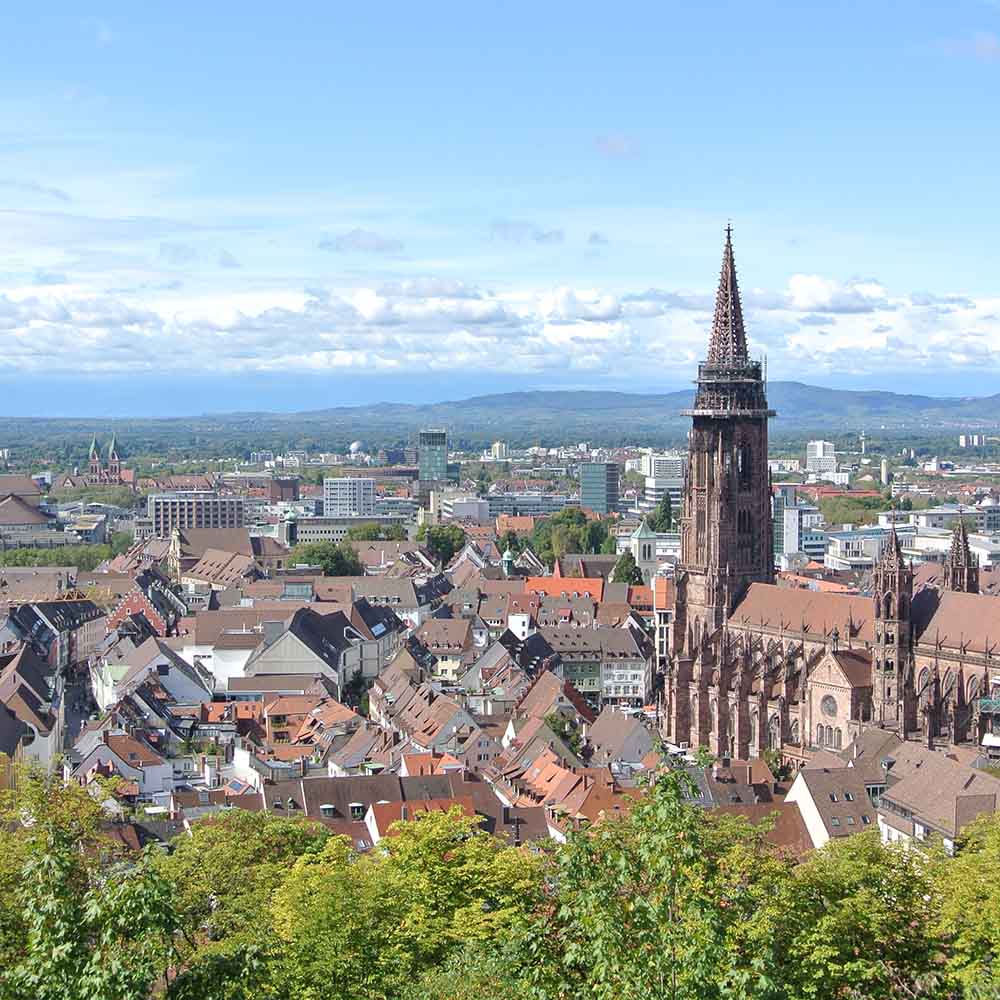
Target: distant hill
<point>546,417</point>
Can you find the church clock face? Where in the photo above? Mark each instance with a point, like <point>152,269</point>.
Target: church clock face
<point>828,706</point>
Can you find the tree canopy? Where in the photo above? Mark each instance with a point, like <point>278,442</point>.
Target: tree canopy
<point>373,532</point>
<point>662,519</point>
<point>569,530</point>
<point>626,570</point>
<point>664,900</point>
<point>335,559</point>
<point>444,540</point>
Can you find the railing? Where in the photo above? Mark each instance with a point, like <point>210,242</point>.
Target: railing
<point>989,704</point>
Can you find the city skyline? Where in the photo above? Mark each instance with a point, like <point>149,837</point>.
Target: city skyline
<point>367,209</point>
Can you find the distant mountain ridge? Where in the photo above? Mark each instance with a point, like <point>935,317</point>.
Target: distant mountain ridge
<point>546,417</point>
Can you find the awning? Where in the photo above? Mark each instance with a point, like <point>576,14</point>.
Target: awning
<point>989,740</point>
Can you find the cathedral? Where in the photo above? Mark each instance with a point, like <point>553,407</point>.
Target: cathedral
<point>109,473</point>
<point>754,666</point>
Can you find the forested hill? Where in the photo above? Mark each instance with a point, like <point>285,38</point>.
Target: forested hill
<point>521,418</point>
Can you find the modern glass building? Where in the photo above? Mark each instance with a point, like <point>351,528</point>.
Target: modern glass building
<point>599,486</point>
<point>432,455</point>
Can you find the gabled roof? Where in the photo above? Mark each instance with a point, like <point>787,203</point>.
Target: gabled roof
<point>856,665</point>
<point>772,607</point>
<point>195,542</point>
<point>226,569</point>
<point>20,486</point>
<point>548,693</point>
<point>841,799</point>
<point>957,619</point>
<point>943,793</point>
<point>612,730</point>
<point>15,511</point>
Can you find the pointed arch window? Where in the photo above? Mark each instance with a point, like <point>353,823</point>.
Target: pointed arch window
<point>744,466</point>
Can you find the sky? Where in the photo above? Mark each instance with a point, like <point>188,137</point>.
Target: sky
<point>212,207</point>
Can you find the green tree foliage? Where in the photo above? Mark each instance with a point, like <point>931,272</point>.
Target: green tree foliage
<point>857,919</point>
<point>334,559</point>
<point>444,540</point>
<point>513,541</point>
<point>224,875</point>
<point>121,541</point>
<point>367,927</point>
<point>116,496</point>
<point>91,934</point>
<point>74,923</point>
<point>85,557</point>
<point>373,532</point>
<point>567,531</point>
<point>566,731</point>
<point>969,920</point>
<point>665,901</point>
<point>662,519</point>
<point>626,570</point>
<point>852,510</point>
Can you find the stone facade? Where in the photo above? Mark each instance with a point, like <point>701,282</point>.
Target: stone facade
<point>752,666</point>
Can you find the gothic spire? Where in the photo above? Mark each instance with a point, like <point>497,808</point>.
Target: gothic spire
<point>728,345</point>
<point>960,554</point>
<point>961,568</point>
<point>892,554</point>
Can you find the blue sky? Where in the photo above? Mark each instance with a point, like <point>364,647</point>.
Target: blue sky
<point>312,204</point>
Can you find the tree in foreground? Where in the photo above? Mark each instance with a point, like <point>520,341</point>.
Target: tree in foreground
<point>358,927</point>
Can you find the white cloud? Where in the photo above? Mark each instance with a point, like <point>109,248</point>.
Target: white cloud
<point>361,241</point>
<point>811,293</point>
<point>815,326</point>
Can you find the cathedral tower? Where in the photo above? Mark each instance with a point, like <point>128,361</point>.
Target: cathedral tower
<point>893,702</point>
<point>726,524</point>
<point>961,568</point>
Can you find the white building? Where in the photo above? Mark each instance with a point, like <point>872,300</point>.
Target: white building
<point>821,458</point>
<point>348,496</point>
<point>663,465</point>
<point>860,548</point>
<point>803,531</point>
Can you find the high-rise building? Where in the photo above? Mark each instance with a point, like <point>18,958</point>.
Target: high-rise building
<point>783,496</point>
<point>599,486</point>
<point>821,457</point>
<point>348,496</point>
<point>432,455</point>
<point>193,509</point>
<point>499,451</point>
